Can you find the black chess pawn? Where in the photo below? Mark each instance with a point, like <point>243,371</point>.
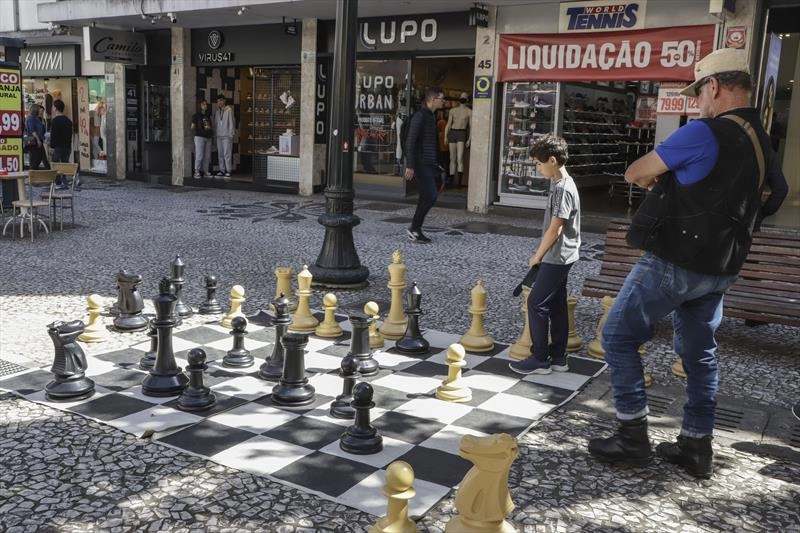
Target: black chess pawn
<point>362,438</point>
<point>412,341</point>
<point>359,344</point>
<point>293,388</point>
<point>272,368</point>
<point>238,356</point>
<point>211,305</point>
<point>340,407</point>
<point>148,360</point>
<point>178,267</point>
<point>196,395</point>
<point>130,303</point>
<point>165,378</point>
<point>69,364</point>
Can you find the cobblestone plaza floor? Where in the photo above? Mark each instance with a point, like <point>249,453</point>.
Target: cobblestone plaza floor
<point>61,472</point>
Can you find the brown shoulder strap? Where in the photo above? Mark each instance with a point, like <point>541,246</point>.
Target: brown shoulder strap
<point>748,129</point>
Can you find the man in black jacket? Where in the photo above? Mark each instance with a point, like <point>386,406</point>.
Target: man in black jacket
<point>422,162</point>
<point>707,180</point>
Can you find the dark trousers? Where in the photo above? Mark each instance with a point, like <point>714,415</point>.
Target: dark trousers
<point>61,154</point>
<point>36,157</point>
<point>426,184</point>
<point>547,311</point>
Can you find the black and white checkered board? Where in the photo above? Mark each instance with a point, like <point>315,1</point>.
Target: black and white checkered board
<point>300,446</point>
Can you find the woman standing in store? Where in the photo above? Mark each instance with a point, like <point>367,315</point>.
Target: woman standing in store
<point>201,126</point>
<point>34,128</point>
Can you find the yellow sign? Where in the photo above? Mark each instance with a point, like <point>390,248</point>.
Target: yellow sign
<point>10,90</point>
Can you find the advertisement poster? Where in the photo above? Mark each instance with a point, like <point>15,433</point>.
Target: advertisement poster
<point>11,124</point>
<point>83,124</point>
<point>770,82</point>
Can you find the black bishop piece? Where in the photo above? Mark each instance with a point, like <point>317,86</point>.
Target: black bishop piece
<point>196,396</point>
<point>178,267</point>
<point>340,407</point>
<point>272,368</point>
<point>362,438</point>
<point>165,378</point>
<point>130,303</point>
<point>293,388</point>
<point>412,341</point>
<point>359,344</point>
<point>148,360</point>
<point>211,305</point>
<point>238,356</point>
<point>69,364</point>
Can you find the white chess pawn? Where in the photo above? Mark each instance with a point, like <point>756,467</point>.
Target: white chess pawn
<point>329,327</point>
<point>399,490</point>
<point>453,388</point>
<point>375,337</point>
<point>95,330</point>
<point>237,299</point>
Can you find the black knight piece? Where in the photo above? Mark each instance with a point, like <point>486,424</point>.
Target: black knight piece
<point>165,378</point>
<point>238,356</point>
<point>272,368</point>
<point>211,305</point>
<point>196,396</point>
<point>341,408</point>
<point>412,341</point>
<point>69,364</point>
<point>359,344</point>
<point>148,360</point>
<point>130,303</point>
<point>293,388</point>
<point>362,438</point>
<point>178,267</point>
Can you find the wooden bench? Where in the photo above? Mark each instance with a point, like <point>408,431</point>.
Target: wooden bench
<point>767,291</point>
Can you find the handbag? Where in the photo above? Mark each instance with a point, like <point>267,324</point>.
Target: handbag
<point>29,142</point>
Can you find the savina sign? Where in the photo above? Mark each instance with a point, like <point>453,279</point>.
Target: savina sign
<point>655,54</point>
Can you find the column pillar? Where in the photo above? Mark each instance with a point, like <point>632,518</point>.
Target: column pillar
<point>183,87</point>
<point>115,120</point>
<point>309,165</point>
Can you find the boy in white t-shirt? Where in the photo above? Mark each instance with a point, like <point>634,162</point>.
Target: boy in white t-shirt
<point>557,251</point>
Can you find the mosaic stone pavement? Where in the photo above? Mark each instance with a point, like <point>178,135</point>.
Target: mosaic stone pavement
<point>59,472</point>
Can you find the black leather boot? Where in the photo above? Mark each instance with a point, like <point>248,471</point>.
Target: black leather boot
<point>629,445</point>
<point>694,455</point>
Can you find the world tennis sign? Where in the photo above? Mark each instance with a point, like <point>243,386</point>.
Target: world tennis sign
<point>659,54</point>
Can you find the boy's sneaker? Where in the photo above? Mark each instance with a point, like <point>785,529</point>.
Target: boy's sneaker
<point>559,364</point>
<point>220,174</point>
<point>417,236</point>
<point>227,174</point>
<point>197,175</point>
<point>531,365</point>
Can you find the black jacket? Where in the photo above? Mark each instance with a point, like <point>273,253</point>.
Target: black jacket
<point>423,139</point>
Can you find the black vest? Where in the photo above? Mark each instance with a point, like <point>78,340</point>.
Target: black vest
<point>707,226</point>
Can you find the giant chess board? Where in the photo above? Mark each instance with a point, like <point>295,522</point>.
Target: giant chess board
<point>299,446</point>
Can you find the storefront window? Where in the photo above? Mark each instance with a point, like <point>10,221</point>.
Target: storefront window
<point>97,125</point>
<point>529,110</point>
<point>380,88</point>
<point>157,120</point>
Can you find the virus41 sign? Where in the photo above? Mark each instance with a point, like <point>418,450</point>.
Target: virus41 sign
<point>656,54</point>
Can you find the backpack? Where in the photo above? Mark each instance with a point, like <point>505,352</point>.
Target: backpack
<point>405,127</point>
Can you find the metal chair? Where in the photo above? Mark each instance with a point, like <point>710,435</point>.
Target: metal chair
<point>63,199</point>
<point>28,205</point>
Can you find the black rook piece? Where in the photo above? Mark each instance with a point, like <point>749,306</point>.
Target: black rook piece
<point>293,388</point>
<point>341,408</point>
<point>211,305</point>
<point>238,356</point>
<point>359,344</point>
<point>362,438</point>
<point>165,378</point>
<point>130,303</point>
<point>69,364</point>
<point>178,266</point>
<point>148,360</point>
<point>196,396</point>
<point>272,368</point>
<point>412,341</point>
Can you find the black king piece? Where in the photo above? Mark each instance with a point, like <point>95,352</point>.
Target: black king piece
<point>165,378</point>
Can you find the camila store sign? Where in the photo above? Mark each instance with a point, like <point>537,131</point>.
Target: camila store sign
<point>661,54</point>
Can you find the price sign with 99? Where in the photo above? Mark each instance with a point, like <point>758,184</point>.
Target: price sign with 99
<point>672,104</point>
<point>10,123</point>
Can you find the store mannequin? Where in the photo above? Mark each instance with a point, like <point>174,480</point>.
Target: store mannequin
<point>457,135</point>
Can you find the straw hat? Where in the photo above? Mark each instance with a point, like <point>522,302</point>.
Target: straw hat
<point>722,60</point>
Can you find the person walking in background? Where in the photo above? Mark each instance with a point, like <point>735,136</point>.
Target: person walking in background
<point>224,129</point>
<point>421,159</point>
<point>34,128</point>
<point>201,126</point>
<point>696,228</point>
<point>60,133</point>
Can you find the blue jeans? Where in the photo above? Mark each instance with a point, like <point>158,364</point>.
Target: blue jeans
<point>426,184</point>
<point>652,290</point>
<point>547,311</point>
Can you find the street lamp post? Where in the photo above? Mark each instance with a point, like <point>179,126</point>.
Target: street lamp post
<point>338,264</point>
